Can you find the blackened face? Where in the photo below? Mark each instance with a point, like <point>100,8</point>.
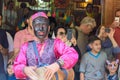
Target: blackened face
<point>40,26</point>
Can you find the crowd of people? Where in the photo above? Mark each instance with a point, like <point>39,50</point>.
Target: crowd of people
<point>43,42</point>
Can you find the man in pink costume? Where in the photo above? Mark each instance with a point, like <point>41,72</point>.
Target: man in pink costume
<point>54,54</point>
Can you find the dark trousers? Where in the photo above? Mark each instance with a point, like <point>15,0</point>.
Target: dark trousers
<point>77,76</point>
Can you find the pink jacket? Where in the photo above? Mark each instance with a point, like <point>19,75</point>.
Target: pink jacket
<point>67,54</point>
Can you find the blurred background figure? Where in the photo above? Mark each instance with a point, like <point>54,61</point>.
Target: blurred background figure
<point>89,10</point>
<point>86,26</point>
<point>20,11</point>
<point>3,51</point>
<point>8,52</point>
<point>22,24</point>
<point>10,16</point>
<point>116,25</point>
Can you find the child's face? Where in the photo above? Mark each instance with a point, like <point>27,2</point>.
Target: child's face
<point>112,67</point>
<point>96,46</point>
<point>10,69</point>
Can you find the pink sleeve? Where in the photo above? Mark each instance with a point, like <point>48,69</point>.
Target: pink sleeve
<point>66,53</point>
<point>20,63</point>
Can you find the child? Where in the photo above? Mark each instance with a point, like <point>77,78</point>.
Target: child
<point>112,68</point>
<point>10,71</point>
<point>92,65</point>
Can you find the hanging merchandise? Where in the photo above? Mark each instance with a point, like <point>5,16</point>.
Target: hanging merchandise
<point>48,14</point>
<point>23,0</point>
<point>53,14</point>
<point>46,0</point>
<point>32,2</point>
<point>68,19</point>
<point>65,17</point>
<point>57,14</point>
<point>61,3</point>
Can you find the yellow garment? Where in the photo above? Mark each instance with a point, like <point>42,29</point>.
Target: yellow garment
<point>90,14</point>
<point>65,17</point>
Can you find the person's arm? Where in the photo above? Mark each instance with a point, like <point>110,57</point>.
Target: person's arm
<point>83,66</point>
<point>81,76</point>
<point>17,42</point>
<point>67,58</point>
<point>116,48</point>
<point>20,63</point>
<point>66,54</point>
<point>10,42</point>
<point>15,53</point>
<point>21,69</point>
<point>111,37</point>
<point>114,24</point>
<point>73,41</point>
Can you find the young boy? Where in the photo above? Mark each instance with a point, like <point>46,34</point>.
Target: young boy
<point>92,65</point>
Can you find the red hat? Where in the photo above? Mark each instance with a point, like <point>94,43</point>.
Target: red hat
<point>39,14</point>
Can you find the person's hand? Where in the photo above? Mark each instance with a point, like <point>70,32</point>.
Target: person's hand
<point>102,31</point>
<point>74,42</point>
<point>111,33</point>
<point>11,60</point>
<point>115,24</point>
<point>30,72</point>
<point>50,70</point>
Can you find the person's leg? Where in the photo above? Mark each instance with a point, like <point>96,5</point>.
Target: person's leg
<point>77,76</point>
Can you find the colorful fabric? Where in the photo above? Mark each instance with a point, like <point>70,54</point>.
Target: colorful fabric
<point>45,58</point>
<point>61,51</point>
<point>90,14</point>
